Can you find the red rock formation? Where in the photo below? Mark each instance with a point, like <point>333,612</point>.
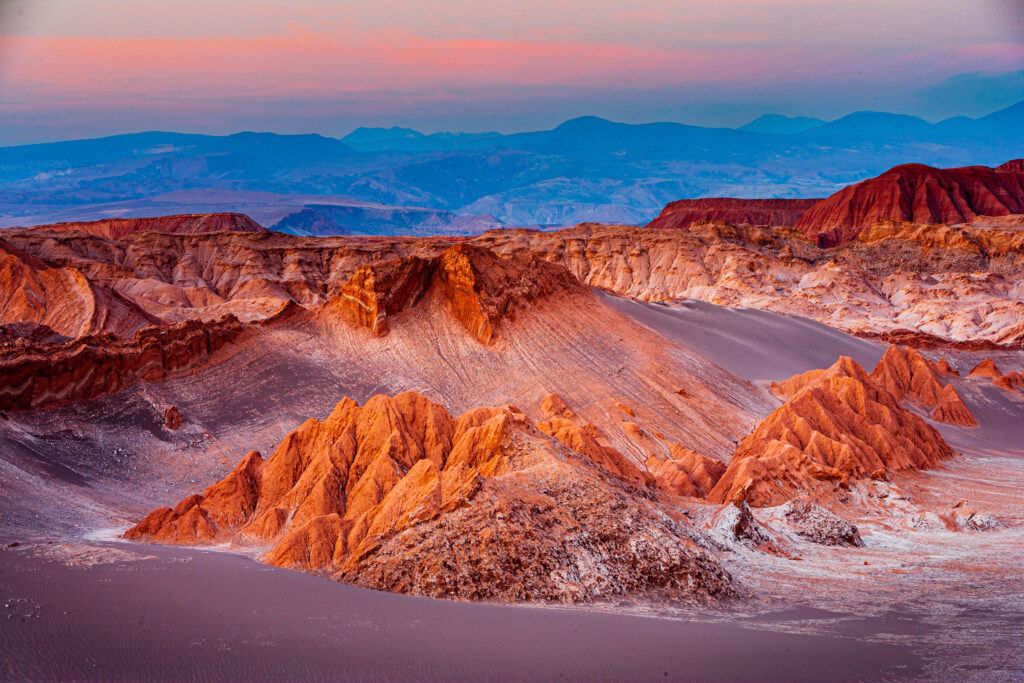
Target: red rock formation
<point>586,439</point>
<point>376,291</point>
<point>905,373</point>
<point>773,212</point>
<point>839,426</point>
<point>482,288</point>
<point>479,288</point>
<point>951,409</point>
<point>398,495</point>
<point>1011,381</point>
<point>986,368</point>
<point>194,223</point>
<point>52,373</point>
<point>62,299</point>
<point>944,369</point>
<point>685,473</point>
<point>918,194</point>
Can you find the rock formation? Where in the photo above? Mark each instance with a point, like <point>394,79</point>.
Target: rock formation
<point>919,194</point>
<point>118,228</point>
<point>951,409</point>
<point>398,495</point>
<point>818,525</point>
<point>63,299</point>
<point>378,290</point>
<point>921,285</point>
<point>773,212</point>
<point>685,473</point>
<point>905,373</point>
<point>1011,381</point>
<point>172,418</point>
<point>838,425</point>
<point>479,288</point>
<point>51,373</point>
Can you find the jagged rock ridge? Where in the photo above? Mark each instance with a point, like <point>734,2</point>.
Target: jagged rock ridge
<point>399,495</point>
<point>774,212</point>
<point>919,194</point>
<point>48,373</point>
<point>192,223</point>
<point>837,425</point>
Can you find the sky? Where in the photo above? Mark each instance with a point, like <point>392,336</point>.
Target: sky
<point>85,68</point>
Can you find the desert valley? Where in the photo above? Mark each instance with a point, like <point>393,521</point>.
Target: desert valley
<point>749,427</point>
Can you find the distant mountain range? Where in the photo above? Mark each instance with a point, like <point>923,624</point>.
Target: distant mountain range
<point>398,180</point>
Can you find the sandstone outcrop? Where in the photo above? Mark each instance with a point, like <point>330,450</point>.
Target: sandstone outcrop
<point>919,285</point>
<point>398,495</point>
<point>919,194</point>
<point>837,427</point>
<point>118,228</point>
<point>772,212</point>
<point>52,373</point>
<point>63,299</point>
<point>899,283</point>
<point>479,288</point>
<point>905,373</point>
<point>562,423</point>
<point>1011,381</point>
<point>376,291</point>
<point>951,409</point>
<point>685,473</point>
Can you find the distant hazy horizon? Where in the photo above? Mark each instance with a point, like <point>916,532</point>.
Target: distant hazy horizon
<point>86,68</point>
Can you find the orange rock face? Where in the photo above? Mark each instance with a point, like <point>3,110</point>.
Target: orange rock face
<point>905,373</point>
<point>918,194</point>
<point>60,298</point>
<point>1011,381</point>
<point>117,228</point>
<point>482,288</point>
<point>479,288</point>
<point>685,473</point>
<point>376,291</point>
<point>51,373</point>
<point>686,212</point>
<point>588,440</point>
<point>838,426</point>
<point>398,495</point>
<point>951,409</point>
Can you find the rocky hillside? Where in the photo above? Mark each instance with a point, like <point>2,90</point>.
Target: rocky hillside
<point>685,212</point>
<point>399,495</point>
<point>185,224</point>
<point>916,193</point>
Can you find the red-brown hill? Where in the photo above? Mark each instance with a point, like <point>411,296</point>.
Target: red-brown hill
<point>916,193</point>
<point>685,212</point>
<point>184,224</point>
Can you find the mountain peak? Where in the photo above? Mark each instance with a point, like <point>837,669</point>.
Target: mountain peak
<point>779,124</point>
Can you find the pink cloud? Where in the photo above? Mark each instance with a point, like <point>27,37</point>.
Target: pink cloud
<point>301,61</point>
